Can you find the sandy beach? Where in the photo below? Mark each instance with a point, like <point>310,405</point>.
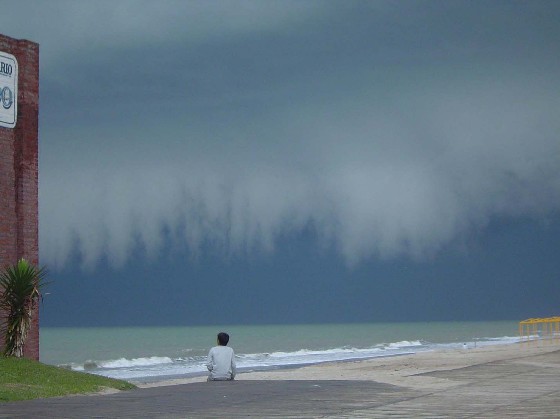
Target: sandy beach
<point>408,371</point>
<point>490,382</point>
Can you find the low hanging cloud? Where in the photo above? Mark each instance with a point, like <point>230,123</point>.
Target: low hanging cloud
<point>383,181</point>
<point>384,135</point>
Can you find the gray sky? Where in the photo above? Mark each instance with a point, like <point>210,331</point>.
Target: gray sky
<point>367,134</point>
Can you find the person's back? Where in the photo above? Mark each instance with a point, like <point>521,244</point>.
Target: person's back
<point>221,360</point>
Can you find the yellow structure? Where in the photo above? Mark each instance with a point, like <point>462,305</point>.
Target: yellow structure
<point>539,329</point>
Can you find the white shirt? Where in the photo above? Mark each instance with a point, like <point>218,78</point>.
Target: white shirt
<point>221,363</point>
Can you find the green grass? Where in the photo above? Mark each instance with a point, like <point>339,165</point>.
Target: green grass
<point>24,379</point>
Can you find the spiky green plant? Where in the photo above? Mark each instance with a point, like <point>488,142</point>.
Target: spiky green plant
<point>20,291</point>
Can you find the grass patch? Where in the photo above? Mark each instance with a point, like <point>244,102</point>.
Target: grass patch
<point>24,379</point>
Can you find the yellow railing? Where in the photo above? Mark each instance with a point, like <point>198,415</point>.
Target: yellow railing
<point>537,329</point>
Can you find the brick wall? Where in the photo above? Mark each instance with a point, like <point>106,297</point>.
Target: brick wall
<point>19,225</point>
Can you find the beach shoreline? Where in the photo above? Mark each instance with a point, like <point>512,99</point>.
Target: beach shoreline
<point>493,382</point>
<point>403,370</point>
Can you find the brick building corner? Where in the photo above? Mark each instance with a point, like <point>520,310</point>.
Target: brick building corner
<point>19,224</point>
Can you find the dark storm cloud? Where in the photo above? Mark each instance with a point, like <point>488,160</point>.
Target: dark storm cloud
<point>387,128</point>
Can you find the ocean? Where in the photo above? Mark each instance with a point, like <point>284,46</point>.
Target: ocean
<point>148,354</point>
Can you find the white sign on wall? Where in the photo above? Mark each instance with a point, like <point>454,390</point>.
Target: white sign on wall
<point>8,90</point>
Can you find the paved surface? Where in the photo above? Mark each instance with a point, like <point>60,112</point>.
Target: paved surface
<point>528,387</point>
<point>227,399</point>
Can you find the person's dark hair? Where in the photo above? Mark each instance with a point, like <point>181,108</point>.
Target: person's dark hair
<point>223,338</point>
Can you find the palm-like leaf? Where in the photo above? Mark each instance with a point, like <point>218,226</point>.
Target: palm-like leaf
<point>20,290</point>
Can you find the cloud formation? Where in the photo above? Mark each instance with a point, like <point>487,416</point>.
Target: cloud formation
<point>375,184</point>
<point>385,135</point>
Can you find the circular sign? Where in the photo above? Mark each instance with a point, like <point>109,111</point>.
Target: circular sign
<point>7,98</point>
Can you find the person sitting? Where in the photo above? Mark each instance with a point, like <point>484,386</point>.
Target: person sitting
<point>221,360</point>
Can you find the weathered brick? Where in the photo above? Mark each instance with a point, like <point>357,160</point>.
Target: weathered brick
<point>19,221</point>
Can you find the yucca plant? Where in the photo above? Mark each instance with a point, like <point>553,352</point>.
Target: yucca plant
<point>20,291</point>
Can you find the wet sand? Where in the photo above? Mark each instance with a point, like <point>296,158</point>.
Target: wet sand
<point>406,370</point>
